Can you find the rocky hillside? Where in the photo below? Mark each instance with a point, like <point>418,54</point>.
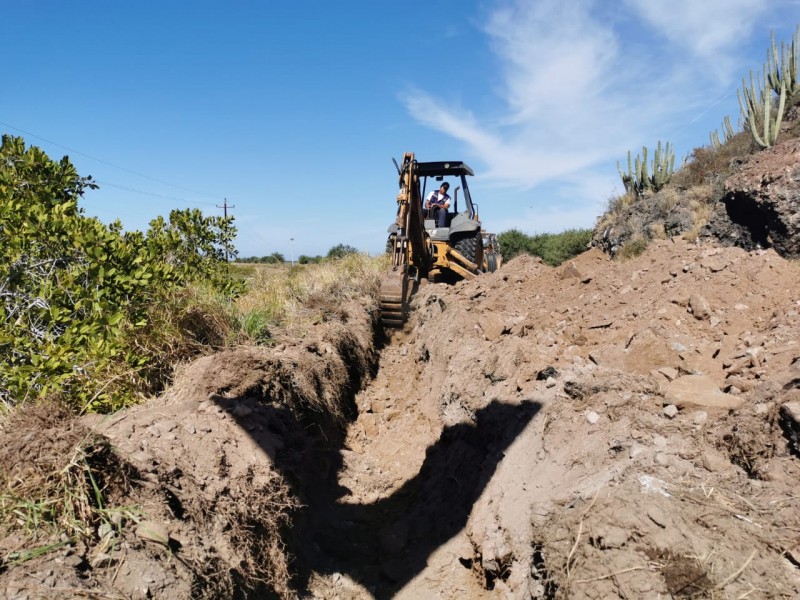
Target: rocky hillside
<point>734,195</point>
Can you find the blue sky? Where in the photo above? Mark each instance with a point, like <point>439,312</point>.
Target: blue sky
<point>292,110</point>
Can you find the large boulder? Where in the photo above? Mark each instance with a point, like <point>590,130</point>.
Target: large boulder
<point>761,202</point>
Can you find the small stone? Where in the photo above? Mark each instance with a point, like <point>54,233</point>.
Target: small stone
<point>699,418</point>
<point>74,561</point>
<point>392,413</point>
<point>102,560</point>
<point>699,391</point>
<point>592,417</point>
<point>671,411</point>
<point>662,459</point>
<point>105,529</point>
<point>150,531</point>
<point>369,424</point>
<point>190,428</point>
<point>714,462</point>
<point>636,450</point>
<point>669,373</point>
<point>699,307</point>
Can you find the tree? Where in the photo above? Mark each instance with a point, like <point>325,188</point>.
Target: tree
<point>513,242</point>
<point>75,293</point>
<point>341,250</point>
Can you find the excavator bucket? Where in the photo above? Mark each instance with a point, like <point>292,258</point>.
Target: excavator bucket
<point>394,297</point>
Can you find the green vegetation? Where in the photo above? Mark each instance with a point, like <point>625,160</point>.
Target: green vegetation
<point>552,248</point>
<point>782,67</point>
<point>99,316</point>
<point>292,299</point>
<point>87,310</point>
<point>757,108</point>
<point>58,482</point>
<point>660,203</point>
<point>762,107</point>
<point>638,179</point>
<point>340,251</point>
<point>276,258</point>
<point>727,130</point>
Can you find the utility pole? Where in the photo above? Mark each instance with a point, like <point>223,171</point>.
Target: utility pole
<point>225,206</point>
<point>291,245</point>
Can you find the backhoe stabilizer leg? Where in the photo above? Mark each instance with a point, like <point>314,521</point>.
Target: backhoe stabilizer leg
<point>454,254</point>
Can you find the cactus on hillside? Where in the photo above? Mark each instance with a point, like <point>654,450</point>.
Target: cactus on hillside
<point>727,131</point>
<point>782,68</point>
<point>756,105</point>
<point>638,179</point>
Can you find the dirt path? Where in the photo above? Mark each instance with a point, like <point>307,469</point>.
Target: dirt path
<point>604,429</point>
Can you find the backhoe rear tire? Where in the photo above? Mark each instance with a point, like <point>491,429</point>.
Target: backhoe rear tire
<point>469,246</point>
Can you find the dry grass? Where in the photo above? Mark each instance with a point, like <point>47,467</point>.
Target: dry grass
<point>711,166</point>
<point>58,480</point>
<point>293,298</point>
<point>257,523</point>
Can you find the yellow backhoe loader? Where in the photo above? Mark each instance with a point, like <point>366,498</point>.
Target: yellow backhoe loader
<point>421,250</point>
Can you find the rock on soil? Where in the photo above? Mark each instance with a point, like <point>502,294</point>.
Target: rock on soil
<point>515,440</point>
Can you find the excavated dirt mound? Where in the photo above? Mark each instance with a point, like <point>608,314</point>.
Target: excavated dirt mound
<point>602,429</point>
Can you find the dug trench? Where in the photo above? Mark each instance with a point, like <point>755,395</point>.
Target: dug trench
<point>601,429</point>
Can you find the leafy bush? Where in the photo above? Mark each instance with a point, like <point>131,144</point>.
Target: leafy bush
<point>341,250</point>
<point>75,294</point>
<point>552,248</point>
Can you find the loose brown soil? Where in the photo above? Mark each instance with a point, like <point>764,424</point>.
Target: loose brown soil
<point>602,429</point>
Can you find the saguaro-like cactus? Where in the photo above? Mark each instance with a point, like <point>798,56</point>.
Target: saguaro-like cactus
<point>727,131</point>
<point>638,178</point>
<point>782,67</point>
<point>757,110</point>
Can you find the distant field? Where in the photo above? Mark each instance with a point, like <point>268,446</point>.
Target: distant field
<point>251,270</point>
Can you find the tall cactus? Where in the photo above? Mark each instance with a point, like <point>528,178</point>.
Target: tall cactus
<point>727,131</point>
<point>757,110</point>
<point>782,68</point>
<point>638,179</point>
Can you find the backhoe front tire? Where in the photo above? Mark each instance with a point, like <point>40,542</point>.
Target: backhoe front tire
<point>491,262</point>
<point>470,247</point>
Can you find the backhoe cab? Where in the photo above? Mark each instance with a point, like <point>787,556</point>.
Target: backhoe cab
<point>421,250</point>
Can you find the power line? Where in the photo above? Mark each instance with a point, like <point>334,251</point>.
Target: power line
<point>105,162</point>
<point>155,195</point>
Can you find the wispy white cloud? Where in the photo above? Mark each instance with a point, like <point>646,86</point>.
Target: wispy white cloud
<point>579,84</point>
<point>708,30</point>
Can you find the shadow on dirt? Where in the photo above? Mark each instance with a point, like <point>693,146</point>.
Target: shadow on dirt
<point>385,544</point>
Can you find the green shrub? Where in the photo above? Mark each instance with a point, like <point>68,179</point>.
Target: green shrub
<point>75,294</point>
<point>552,248</point>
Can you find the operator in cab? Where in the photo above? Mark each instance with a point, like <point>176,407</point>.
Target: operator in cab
<point>437,204</point>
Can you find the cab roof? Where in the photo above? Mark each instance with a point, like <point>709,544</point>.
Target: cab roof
<point>434,169</point>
